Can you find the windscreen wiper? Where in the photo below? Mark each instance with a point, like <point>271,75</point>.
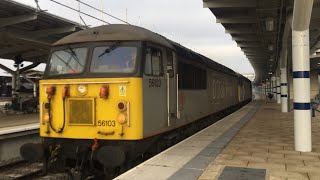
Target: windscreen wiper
<point>111,48</point>
<point>66,63</point>
<point>74,55</point>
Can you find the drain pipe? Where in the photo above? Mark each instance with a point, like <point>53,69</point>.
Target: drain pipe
<point>301,74</point>
<point>319,84</point>
<point>274,87</point>
<point>278,89</point>
<point>269,91</point>
<point>284,65</point>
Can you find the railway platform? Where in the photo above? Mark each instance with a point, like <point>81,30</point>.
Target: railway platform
<point>255,142</point>
<point>16,130</point>
<point>10,121</point>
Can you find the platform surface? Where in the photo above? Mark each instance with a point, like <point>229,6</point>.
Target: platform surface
<point>189,158</point>
<point>267,142</point>
<point>264,145</point>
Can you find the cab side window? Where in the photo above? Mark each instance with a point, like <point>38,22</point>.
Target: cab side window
<point>153,63</point>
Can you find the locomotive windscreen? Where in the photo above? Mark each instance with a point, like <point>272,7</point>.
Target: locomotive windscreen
<point>67,61</point>
<point>113,60</point>
<point>104,59</point>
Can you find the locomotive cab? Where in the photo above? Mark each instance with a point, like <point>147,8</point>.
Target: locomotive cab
<point>89,90</point>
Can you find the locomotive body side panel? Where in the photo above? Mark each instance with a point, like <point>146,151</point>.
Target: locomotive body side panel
<point>159,90</point>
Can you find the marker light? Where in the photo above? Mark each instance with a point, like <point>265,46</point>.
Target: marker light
<point>122,118</point>
<point>104,92</point>
<point>82,89</point>
<point>66,92</point>
<point>122,106</point>
<point>46,105</point>
<point>51,90</point>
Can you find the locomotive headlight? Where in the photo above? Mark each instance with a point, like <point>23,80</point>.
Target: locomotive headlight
<point>122,118</point>
<point>82,89</point>
<point>45,117</point>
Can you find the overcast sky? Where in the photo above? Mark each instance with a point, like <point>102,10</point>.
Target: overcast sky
<point>184,21</point>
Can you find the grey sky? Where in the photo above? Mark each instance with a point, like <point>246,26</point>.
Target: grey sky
<point>184,21</point>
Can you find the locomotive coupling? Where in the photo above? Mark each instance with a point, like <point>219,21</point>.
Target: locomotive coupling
<point>32,151</point>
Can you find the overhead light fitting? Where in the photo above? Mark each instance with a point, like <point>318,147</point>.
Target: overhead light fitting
<point>270,47</point>
<point>269,24</point>
<point>271,59</point>
<point>270,73</point>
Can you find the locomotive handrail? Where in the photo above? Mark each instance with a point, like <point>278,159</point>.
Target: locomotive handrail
<point>177,98</point>
<point>168,98</point>
<point>128,114</point>
<point>72,83</point>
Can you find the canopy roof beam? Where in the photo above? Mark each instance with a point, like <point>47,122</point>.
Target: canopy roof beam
<point>28,38</point>
<point>246,45</point>
<point>17,19</point>
<point>240,31</point>
<point>228,3</point>
<point>236,20</point>
<point>6,69</point>
<point>15,50</point>
<point>46,32</point>
<point>244,38</point>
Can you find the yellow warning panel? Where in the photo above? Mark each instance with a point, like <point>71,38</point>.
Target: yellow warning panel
<point>122,90</point>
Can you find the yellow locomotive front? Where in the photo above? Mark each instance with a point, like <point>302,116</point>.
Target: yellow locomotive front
<point>90,92</point>
<point>98,108</point>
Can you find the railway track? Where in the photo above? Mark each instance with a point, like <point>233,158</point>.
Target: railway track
<point>20,170</point>
<point>60,176</point>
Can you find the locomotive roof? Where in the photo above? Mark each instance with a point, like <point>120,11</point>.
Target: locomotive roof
<point>114,32</point>
<point>123,32</point>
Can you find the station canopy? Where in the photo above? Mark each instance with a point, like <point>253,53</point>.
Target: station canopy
<point>257,26</point>
<point>28,32</point>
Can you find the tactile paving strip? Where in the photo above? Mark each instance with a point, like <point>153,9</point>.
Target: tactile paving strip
<point>195,167</point>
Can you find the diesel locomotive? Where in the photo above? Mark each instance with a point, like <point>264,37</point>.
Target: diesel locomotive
<point>111,93</point>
